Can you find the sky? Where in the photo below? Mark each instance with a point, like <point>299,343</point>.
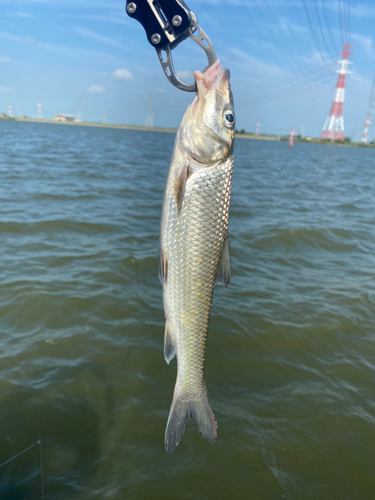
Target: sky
<point>88,58</point>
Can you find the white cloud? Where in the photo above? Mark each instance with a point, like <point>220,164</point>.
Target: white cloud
<point>13,62</point>
<point>160,91</point>
<point>253,66</point>
<point>366,43</point>
<point>123,74</point>
<point>7,90</point>
<point>184,75</point>
<point>288,27</point>
<point>82,4</point>
<point>363,81</point>
<point>20,14</point>
<point>96,89</point>
<point>58,49</point>
<point>364,10</point>
<point>320,58</point>
<point>99,38</point>
<point>112,18</point>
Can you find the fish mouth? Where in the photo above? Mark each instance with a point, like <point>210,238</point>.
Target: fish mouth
<point>206,81</point>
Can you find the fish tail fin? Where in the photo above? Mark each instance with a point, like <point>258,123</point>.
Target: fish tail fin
<point>181,411</point>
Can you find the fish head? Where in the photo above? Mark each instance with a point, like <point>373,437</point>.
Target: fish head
<point>209,123</point>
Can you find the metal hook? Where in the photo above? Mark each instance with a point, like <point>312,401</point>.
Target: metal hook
<point>167,64</point>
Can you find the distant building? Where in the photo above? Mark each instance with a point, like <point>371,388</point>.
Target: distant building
<point>65,118</point>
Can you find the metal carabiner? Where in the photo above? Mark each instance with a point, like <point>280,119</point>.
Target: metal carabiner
<point>168,23</point>
<point>167,63</point>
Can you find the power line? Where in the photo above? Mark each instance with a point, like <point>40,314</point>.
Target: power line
<point>341,21</point>
<point>270,15</point>
<point>290,57</point>
<point>312,30</point>
<point>328,24</point>
<point>320,26</point>
<point>285,93</point>
<point>260,33</point>
<point>305,72</point>
<point>347,15</point>
<point>291,12</point>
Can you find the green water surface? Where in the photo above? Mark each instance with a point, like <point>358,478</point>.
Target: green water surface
<point>290,363</point>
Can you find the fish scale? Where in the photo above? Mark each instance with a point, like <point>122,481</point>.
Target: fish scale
<point>196,245</point>
<point>203,254</point>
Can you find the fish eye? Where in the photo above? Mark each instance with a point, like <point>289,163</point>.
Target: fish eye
<point>228,118</point>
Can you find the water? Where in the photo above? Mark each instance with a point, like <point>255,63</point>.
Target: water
<point>290,360</point>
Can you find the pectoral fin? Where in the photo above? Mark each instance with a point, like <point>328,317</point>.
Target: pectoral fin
<point>163,267</point>
<point>169,351</point>
<point>180,186</point>
<point>223,270</point>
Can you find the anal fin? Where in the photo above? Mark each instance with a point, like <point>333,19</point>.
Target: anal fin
<point>224,269</point>
<point>169,351</point>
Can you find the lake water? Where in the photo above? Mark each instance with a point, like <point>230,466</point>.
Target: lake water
<point>290,365</point>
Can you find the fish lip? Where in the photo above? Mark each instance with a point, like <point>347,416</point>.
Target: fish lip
<point>209,77</point>
<point>205,82</point>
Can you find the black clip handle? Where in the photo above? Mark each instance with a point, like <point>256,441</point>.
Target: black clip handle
<point>166,22</point>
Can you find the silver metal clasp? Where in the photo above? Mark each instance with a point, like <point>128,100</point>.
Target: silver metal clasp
<point>198,36</point>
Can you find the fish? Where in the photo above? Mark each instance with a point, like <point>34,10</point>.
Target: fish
<point>194,245</point>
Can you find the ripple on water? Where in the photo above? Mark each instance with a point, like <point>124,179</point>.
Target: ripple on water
<point>290,351</point>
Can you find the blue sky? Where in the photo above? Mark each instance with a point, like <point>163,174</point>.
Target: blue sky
<point>89,57</point>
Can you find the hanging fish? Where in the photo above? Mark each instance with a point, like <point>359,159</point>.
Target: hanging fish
<point>194,244</point>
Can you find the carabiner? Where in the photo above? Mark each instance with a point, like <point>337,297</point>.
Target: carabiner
<point>168,23</point>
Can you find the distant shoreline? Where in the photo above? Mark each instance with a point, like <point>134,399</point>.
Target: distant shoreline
<point>94,124</point>
<point>137,127</point>
<point>174,131</point>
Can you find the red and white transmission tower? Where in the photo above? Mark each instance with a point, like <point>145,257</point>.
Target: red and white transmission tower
<point>334,125</point>
<point>365,128</point>
<point>10,112</point>
<point>371,105</point>
<point>40,114</point>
